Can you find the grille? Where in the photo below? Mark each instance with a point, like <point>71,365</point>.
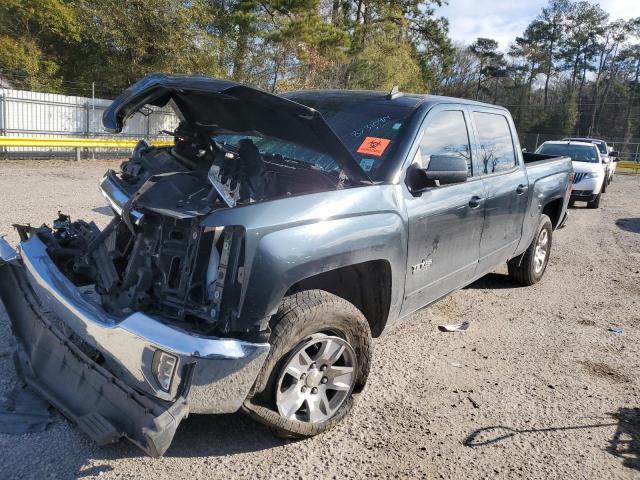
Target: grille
<point>579,176</point>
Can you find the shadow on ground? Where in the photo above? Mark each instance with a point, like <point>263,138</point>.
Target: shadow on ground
<point>197,436</point>
<point>629,224</point>
<point>494,281</point>
<point>220,435</point>
<point>624,444</point>
<point>104,211</point>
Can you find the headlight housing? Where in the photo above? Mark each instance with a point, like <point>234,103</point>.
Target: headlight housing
<point>163,367</point>
<point>593,175</point>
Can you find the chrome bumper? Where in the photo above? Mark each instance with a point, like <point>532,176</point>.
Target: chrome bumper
<point>117,197</point>
<point>213,374</point>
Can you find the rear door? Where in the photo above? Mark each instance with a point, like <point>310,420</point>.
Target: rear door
<point>506,185</point>
<point>445,222</point>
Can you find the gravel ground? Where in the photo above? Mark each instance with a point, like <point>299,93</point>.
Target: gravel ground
<point>538,387</point>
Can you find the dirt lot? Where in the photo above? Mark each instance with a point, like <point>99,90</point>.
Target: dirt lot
<point>556,393</point>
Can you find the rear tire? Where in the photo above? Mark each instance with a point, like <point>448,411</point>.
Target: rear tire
<point>595,203</point>
<point>529,267</point>
<point>307,325</point>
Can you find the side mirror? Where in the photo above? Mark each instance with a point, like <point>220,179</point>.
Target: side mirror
<point>442,170</point>
<point>613,154</point>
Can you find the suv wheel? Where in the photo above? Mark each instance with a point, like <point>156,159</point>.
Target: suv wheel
<point>595,203</point>
<point>319,357</point>
<point>529,267</point>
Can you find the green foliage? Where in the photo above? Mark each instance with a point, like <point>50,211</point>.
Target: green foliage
<point>34,35</point>
<point>561,120</point>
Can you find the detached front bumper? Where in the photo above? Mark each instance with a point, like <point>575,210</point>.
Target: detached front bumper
<point>99,370</point>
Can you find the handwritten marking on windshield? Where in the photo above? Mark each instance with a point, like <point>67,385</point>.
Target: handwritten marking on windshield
<point>372,125</point>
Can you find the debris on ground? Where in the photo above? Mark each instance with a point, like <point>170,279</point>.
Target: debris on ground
<point>459,327</point>
<point>24,411</point>
<point>473,402</point>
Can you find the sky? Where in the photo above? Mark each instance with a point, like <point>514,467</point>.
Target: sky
<point>503,20</point>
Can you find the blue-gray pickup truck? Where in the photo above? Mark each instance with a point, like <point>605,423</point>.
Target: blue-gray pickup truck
<point>248,266</point>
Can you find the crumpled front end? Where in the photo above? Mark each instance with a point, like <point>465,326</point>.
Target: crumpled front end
<point>132,376</point>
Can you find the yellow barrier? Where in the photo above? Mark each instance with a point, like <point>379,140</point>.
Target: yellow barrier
<point>628,167</point>
<point>75,142</point>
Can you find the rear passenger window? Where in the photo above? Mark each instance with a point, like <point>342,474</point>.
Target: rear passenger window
<point>496,145</point>
<point>446,134</point>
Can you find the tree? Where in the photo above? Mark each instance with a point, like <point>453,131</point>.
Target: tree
<point>632,55</point>
<point>33,36</point>
<point>585,24</point>
<point>550,29</point>
<point>616,33</point>
<point>486,51</point>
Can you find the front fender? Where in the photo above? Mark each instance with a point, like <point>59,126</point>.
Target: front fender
<point>291,239</point>
<point>288,256</point>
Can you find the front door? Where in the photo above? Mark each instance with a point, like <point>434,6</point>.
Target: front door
<point>506,185</point>
<point>445,223</point>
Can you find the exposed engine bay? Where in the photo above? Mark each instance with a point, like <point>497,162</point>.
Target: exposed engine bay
<point>154,256</point>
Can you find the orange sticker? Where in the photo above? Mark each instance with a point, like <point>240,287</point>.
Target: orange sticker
<point>374,146</point>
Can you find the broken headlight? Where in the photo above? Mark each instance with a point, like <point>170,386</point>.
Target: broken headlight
<point>163,367</point>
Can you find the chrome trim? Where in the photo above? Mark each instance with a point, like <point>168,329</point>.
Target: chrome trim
<point>117,197</point>
<point>223,369</point>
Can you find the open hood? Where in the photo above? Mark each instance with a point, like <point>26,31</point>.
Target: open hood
<point>212,106</point>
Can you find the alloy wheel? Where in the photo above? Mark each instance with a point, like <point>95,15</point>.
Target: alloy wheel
<point>316,379</point>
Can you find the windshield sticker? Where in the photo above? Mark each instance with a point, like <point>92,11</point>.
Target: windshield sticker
<point>366,164</point>
<point>396,126</point>
<point>374,146</point>
<point>372,125</point>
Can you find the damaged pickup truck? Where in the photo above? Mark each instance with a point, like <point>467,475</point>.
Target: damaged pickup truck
<point>249,265</point>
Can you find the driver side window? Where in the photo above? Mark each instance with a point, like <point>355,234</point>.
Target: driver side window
<point>446,134</point>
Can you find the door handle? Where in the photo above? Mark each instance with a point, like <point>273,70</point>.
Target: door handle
<point>475,201</point>
<point>521,189</point>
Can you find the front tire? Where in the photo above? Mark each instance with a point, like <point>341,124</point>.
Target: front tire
<point>320,354</point>
<point>529,267</point>
<point>595,203</point>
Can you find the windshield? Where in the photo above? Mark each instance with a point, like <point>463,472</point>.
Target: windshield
<point>578,153</point>
<point>270,146</point>
<point>602,146</point>
<point>369,127</point>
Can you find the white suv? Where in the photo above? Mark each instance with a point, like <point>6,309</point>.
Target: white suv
<point>590,171</point>
<point>609,156</point>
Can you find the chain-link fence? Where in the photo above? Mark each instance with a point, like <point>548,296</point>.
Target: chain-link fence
<point>629,150</point>
<point>35,114</point>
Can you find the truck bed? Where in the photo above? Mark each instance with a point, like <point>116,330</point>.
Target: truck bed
<point>531,159</point>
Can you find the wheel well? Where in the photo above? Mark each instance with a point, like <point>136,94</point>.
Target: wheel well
<point>553,210</point>
<point>366,285</point>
